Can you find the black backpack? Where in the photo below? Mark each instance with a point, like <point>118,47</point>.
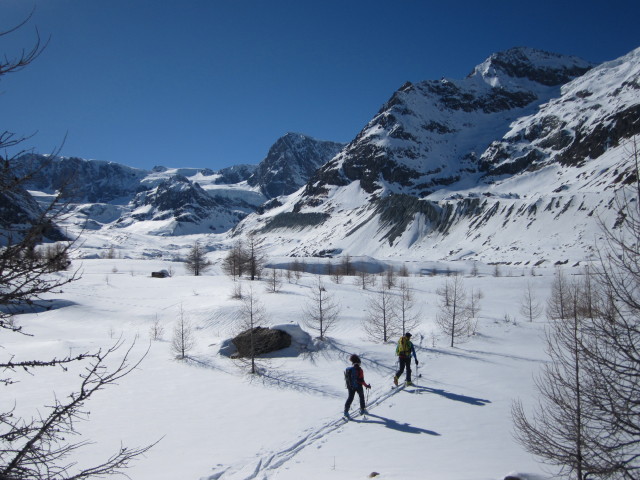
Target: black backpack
<point>351,377</point>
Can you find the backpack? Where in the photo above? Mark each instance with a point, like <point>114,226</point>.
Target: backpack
<point>404,346</point>
<point>351,377</point>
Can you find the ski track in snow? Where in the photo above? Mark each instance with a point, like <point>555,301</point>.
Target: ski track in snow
<point>273,461</point>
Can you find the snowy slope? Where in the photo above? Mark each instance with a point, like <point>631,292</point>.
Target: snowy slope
<point>216,422</point>
<point>452,191</point>
<point>430,135</point>
<point>594,113</point>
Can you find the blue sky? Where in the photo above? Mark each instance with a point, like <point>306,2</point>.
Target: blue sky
<point>215,83</point>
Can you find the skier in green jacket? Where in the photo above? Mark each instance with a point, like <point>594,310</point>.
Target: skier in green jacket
<point>404,350</point>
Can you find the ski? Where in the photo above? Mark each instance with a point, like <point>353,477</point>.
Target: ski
<point>354,415</point>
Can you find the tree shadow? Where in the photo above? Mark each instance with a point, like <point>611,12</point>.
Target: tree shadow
<point>295,381</point>
<point>394,425</point>
<point>36,306</point>
<point>341,350</point>
<point>453,353</point>
<point>503,355</point>
<point>327,349</point>
<point>480,402</point>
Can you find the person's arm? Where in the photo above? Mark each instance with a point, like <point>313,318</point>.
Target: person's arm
<point>413,349</point>
<point>361,379</point>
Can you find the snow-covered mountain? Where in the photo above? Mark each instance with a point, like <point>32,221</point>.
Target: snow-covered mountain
<point>170,202</point>
<point>181,206</point>
<point>594,113</point>
<point>430,135</point>
<point>514,162</point>
<point>291,161</point>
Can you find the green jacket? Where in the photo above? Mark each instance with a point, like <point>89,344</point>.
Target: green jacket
<point>405,348</point>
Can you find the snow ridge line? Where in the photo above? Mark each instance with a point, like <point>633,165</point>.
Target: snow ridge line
<point>277,459</point>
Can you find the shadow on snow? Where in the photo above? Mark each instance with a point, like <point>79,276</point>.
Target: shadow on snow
<point>480,402</point>
<point>37,306</point>
<point>394,425</point>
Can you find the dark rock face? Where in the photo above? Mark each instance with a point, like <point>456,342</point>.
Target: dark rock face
<point>499,99</point>
<point>430,134</point>
<point>264,340</point>
<point>178,198</point>
<point>592,144</point>
<point>521,63</point>
<point>396,212</point>
<point>291,161</point>
<point>190,205</point>
<point>293,220</point>
<point>19,212</point>
<point>570,130</point>
<point>92,181</point>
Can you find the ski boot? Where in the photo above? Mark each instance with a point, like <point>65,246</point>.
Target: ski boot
<point>409,383</point>
<point>395,381</point>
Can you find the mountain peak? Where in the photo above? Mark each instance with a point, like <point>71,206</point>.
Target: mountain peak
<point>539,66</point>
<point>291,161</point>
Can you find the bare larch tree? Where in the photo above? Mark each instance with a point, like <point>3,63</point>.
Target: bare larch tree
<point>196,261</point>
<point>321,310</point>
<point>563,430</point>
<point>453,315</point>
<point>408,316</point>
<point>381,320</point>
<point>41,448</point>
<point>183,339</point>
<point>251,315</point>
<point>530,307</point>
<point>274,280</point>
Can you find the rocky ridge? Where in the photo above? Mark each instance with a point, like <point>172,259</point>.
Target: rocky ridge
<point>170,202</point>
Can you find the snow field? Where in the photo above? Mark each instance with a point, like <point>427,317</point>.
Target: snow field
<point>215,421</point>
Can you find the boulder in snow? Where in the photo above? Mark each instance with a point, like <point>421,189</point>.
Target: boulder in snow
<point>263,340</point>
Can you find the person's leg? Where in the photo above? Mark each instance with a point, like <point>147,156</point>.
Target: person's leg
<point>403,364</point>
<point>352,394</point>
<point>409,369</point>
<point>401,369</point>
<point>361,395</point>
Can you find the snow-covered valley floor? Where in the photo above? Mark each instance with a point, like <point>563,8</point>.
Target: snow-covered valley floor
<point>213,420</point>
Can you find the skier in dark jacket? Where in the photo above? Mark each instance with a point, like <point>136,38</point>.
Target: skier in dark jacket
<point>404,350</point>
<point>354,378</point>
